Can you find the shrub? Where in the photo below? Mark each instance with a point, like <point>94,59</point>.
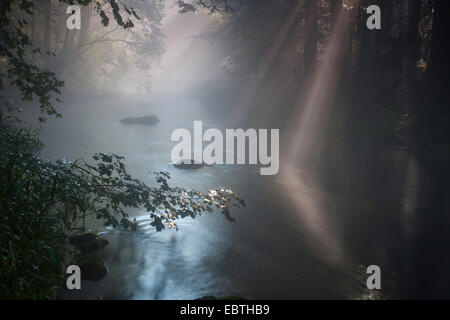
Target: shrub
<point>35,221</point>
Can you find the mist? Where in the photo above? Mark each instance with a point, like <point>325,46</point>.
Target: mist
<point>360,165</point>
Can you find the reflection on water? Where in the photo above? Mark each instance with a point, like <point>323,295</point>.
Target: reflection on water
<point>301,236</point>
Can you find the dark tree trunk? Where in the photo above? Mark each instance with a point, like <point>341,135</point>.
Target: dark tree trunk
<point>439,64</point>
<point>338,16</point>
<point>311,35</point>
<point>408,84</point>
<point>85,24</point>
<point>33,34</point>
<point>414,7</point>
<point>412,49</point>
<point>47,9</point>
<point>336,8</point>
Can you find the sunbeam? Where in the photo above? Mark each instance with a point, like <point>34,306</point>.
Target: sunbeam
<point>252,88</point>
<point>309,119</point>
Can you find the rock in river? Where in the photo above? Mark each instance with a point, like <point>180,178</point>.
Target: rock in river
<point>145,120</point>
<point>92,266</point>
<point>88,242</point>
<point>189,164</point>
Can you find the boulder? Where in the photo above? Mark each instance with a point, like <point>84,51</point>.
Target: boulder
<point>88,242</point>
<point>92,266</point>
<point>189,164</point>
<point>82,239</point>
<point>145,120</point>
<point>93,246</point>
<point>228,298</point>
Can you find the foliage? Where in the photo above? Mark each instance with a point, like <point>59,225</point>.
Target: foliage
<point>29,79</point>
<point>104,54</point>
<point>41,202</point>
<point>35,220</point>
<point>213,6</point>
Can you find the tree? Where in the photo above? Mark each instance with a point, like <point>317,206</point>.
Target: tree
<point>311,38</point>
<point>33,192</point>
<point>439,63</point>
<point>27,78</point>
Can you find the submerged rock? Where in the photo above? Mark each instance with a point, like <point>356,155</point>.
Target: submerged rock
<point>145,120</point>
<point>82,239</point>
<point>207,298</point>
<point>189,164</point>
<point>93,246</point>
<point>92,266</point>
<point>88,242</point>
<point>224,298</point>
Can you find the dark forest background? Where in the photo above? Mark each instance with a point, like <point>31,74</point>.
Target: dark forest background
<point>391,85</point>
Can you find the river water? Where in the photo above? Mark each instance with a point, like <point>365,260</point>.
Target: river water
<point>304,236</point>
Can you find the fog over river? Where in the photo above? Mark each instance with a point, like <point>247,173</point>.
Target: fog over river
<point>307,232</point>
<point>293,240</point>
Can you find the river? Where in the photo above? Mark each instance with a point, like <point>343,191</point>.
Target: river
<point>303,237</point>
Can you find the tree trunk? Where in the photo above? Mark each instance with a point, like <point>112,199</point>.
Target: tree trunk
<point>337,13</point>
<point>336,8</point>
<point>409,89</point>
<point>47,9</point>
<point>412,45</point>
<point>439,64</point>
<point>86,14</point>
<point>33,35</point>
<point>311,35</point>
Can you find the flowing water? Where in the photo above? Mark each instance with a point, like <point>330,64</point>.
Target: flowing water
<point>294,239</point>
